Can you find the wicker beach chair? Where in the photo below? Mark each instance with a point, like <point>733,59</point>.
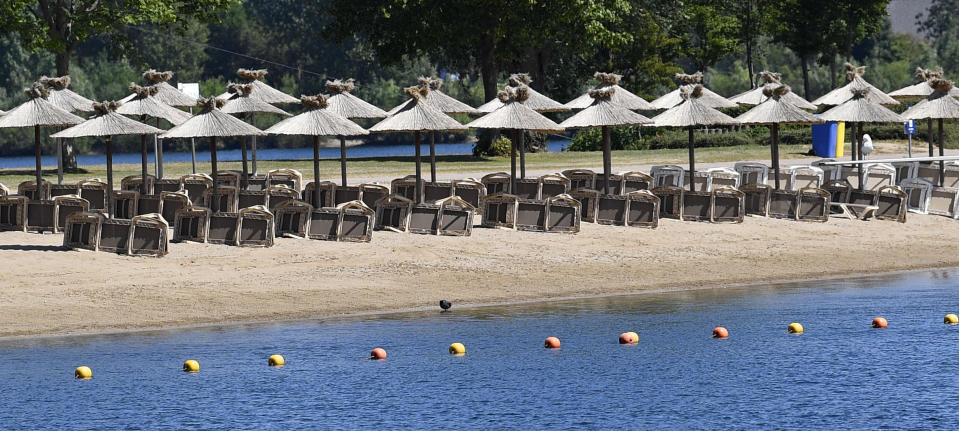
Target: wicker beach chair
<point>455,217</point>
<point>196,186</point>
<point>553,185</point>
<point>499,211</point>
<point>786,179</point>
<point>405,187</point>
<point>222,228</point>
<point>292,219</point>
<point>125,203</point>
<point>280,194</point>
<point>839,191</point>
<point>498,182</point>
<point>751,173</point>
<point>256,182</point>
<point>343,194</point>
<point>918,192</point>
<point>696,206</point>
<point>433,192</point>
<point>192,224</point>
<point>13,213</point>
<point>171,202</point>
<point>642,209</point>
<point>148,204</point>
<point>728,205</point>
<point>227,196</point>
<point>527,188</point>
<point>148,236</point>
<point>668,176</point>
<point>806,177</point>
<point>371,193</point>
<point>615,183</point>
<point>41,216</point>
<point>327,189</point>
<point>254,227</point>
<point>62,190</point>
<point>81,231</point>
<point>324,224</point>
<point>756,198</point>
<point>703,181</point>
<point>877,175</point>
<point>783,203</point>
<point>291,178</point>
<point>228,178</point>
<point>850,174</point>
<point>670,201</point>
<point>95,192</point>
<point>531,215</point>
<point>65,206</point>
<point>471,191</point>
<point>892,204</point>
<point>563,214</point>
<point>167,185</point>
<point>251,198</point>
<point>114,235</point>
<point>722,177</point>
<point>135,183</point>
<point>580,179</point>
<point>393,213</point>
<point>611,209</point>
<point>944,201</point>
<point>812,205</point>
<point>29,190</point>
<point>355,222</point>
<point>635,181</point>
<point>588,199</point>
<point>424,218</point>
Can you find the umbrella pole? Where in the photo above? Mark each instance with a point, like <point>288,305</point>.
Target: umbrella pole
<point>253,143</point>
<point>522,155</point>
<point>343,160</point>
<point>245,178</point>
<point>931,139</point>
<point>692,162</point>
<point>942,164</point>
<point>193,147</point>
<point>143,164</point>
<point>158,149</point>
<point>110,175</point>
<point>774,148</point>
<point>216,183</point>
<point>512,161</point>
<point>419,173</point>
<point>432,157</point>
<point>607,159</point>
<point>316,171</point>
<point>59,161</point>
<point>859,151</point>
<point>36,144</point>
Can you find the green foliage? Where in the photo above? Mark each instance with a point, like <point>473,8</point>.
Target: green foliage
<point>712,33</point>
<point>500,147</point>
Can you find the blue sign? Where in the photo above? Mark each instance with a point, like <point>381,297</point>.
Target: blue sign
<point>911,127</point>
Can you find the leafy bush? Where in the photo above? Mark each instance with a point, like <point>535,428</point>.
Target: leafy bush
<point>500,147</point>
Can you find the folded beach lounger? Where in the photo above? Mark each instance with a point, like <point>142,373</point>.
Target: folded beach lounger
<point>850,174</point>
<point>192,224</point>
<point>393,213</point>
<point>531,215</point>
<point>905,170</point>
<point>82,231</point>
<point>944,201</point>
<point>527,188</point>
<point>891,203</point>
<point>751,173</point>
<point>553,185</point>
<point>670,201</point>
<point>405,187</point>
<point>324,224</point>
<point>580,179</point>
<point>563,214</point>
<point>148,236</point>
<point>196,186</point>
<point>114,235</point>
<point>255,227</point>
<point>252,198</point>
<point>228,178</point>
<point>135,183</point>
<point>291,178</point>
<point>125,203</point>
<point>722,177</point>
<point>435,191</point>
<point>66,206</point>
<point>786,179</point>
<point>930,172</point>
<point>615,183</point>
<point>642,209</point>
<point>611,209</point>
<point>499,210</point>
<point>806,177</point>
<point>280,194</point>
<point>668,176</point>
<point>455,217</point>
<point>498,182</point>
<point>292,219</point>
<point>95,192</point>
<point>344,194</point>
<point>829,172</point>
<point>918,192</point>
<point>813,205</point>
<point>703,181</point>
<point>13,213</point>
<point>371,193</point>
<point>756,198</point>
<point>256,182</point>
<point>862,197</point>
<point>470,191</point>
<point>171,202</point>
<point>696,205</point>
<point>587,199</point>
<point>877,175</point>
<point>356,222</point>
<point>4,191</point>
<point>424,218</point>
<point>635,181</point>
<point>62,190</point>
<point>839,191</point>
<point>29,190</point>
<point>167,185</point>
<point>222,228</point>
<point>326,194</point>
<point>783,204</point>
<point>225,195</point>
<point>41,216</point>
<point>728,205</point>
<point>148,204</point>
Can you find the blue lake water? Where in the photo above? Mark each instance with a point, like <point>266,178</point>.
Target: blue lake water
<point>840,374</point>
<point>306,152</point>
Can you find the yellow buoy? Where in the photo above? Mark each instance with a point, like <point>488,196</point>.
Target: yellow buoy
<point>951,319</point>
<point>457,349</point>
<point>277,361</point>
<point>191,366</point>
<point>795,328</point>
<point>83,372</point>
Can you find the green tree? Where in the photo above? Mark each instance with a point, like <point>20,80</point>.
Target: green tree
<point>801,27</point>
<point>940,24</point>
<point>712,32</point>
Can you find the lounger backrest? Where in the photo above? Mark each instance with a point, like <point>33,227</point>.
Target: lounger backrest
<point>751,173</point>
<point>114,235</point>
<point>291,178</point>
<point>702,181</point>
<point>498,182</point>
<point>135,183</point>
<point>292,218</point>
<point>225,196</point>
<point>356,222</point>
<point>324,224</point>
<point>670,201</point>
<point>256,182</point>
<point>62,190</point>
<point>471,191</point>
<point>642,209</point>
<point>82,231</point>
<point>167,185</point>
<point>813,205</point>
<point>327,189</point>
<point>944,201</point>
<point>878,175</point>
<point>405,187</point>
<point>255,227</point>
<point>4,191</point>
<point>41,216</point>
<point>393,213</point>
<point>615,184</point>
<point>723,177</point>
<point>783,203</point>
<point>587,199</point>
<point>222,228</point>
<point>125,203</point>
<point>668,176</point>
<point>228,178</point>
<point>697,205</point>
<point>29,189</point>
<point>531,215</point>
<point>928,172</point>
<point>756,199</point>
<point>499,210</point>
<point>553,185</point>
<point>563,214</point>
<point>918,192</point>
<point>635,181</point>
<point>148,236</point>
<point>148,204</point>
<point>612,209</point>
<point>371,193</point>
<point>905,170</point>
<point>785,178</point>
<point>437,191</point>
<point>728,205</point>
<point>252,198</point>
<point>280,194</point>
<point>171,202</point>
<point>892,204</point>
<point>67,206</point>
<point>527,188</point>
<point>13,213</point>
<point>850,174</point>
<point>196,186</point>
<point>424,218</point>
<point>580,178</point>
<point>95,192</point>
<point>192,224</point>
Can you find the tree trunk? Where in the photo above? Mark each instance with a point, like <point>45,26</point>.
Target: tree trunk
<point>805,77</point>
<point>749,64</point>
<point>63,61</point>
<point>832,72</point>
<point>488,65</point>
<point>69,152</point>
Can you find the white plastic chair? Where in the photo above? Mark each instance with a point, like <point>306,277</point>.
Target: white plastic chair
<point>668,176</point>
<point>751,173</point>
<point>919,191</point>
<point>723,177</point>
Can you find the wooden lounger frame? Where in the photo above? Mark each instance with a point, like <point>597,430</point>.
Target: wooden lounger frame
<point>438,191</point>
<point>194,216</point>
<point>499,211</point>
<point>528,188</point>
<point>227,193</point>
<point>167,185</point>
<point>580,179</point>
<point>228,179</point>
<point>87,188</point>
<point>171,202</point>
<point>455,208</point>
<point>256,183</point>
<point>353,214</point>
<point>134,183</point>
<point>756,198</point>
<point>13,213</point>
<point>326,194</point>
<point>62,190</point>
<point>557,207</point>
<point>321,217</point>
<point>292,219</point>
<point>228,219</point>
<point>252,198</point>
<point>405,187</point>
<point>343,194</point>
<point>701,199</point>
<point>670,201</point>
<point>195,186</point>
<point>292,178</point>
<point>496,183</point>
<point>29,189</point>
<point>393,207</point>
<point>428,212</point>
<point>147,204</point>
<point>149,222</point>
<point>371,193</point>
<point>538,206</point>
<point>635,181</point>
<point>41,216</point>
<point>125,203</point>
<point>780,198</point>
<point>588,199</point>
<point>812,205</point>
<point>703,181</point>
<point>615,183</point>
<point>728,198</point>
<point>550,184</point>
<point>119,225</point>
<point>65,206</point>
<point>892,202</point>
<point>258,213</point>
<point>82,231</point>
<point>471,191</point>
<point>642,209</point>
<point>611,209</point>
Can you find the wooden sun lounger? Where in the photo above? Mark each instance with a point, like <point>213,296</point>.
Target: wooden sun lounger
<point>783,204</point>
<point>149,204</point>
<point>192,224</point>
<point>553,185</point>
<point>696,205</point>
<point>892,204</point>
<point>222,228</point>
<point>371,193</point>
<point>581,179</point>
<point>62,190</point>
<point>171,202</point>
<point>670,201</point>
<point>355,222</point>
<point>635,181</point>
<point>438,191</point>
<point>66,206</point>
<point>114,235</point>
<point>148,236</point>
<point>324,224</point>
<point>167,185</point>
<point>756,198</point>
<point>13,213</point>
<point>125,203</point>
<point>642,209</point>
<point>424,219</point>
<point>29,190</point>
<point>496,183</point>
<point>471,191</point>
<point>326,194</point>
<point>393,213</point>
<point>82,231</point>
<point>455,217</point>
<point>499,210</point>
<point>531,215</point>
<point>196,187</point>
<point>588,199</point>
<point>611,209</point>
<point>254,227</point>
<point>728,205</point>
<point>292,219</point>
<point>251,198</point>
<point>855,211</point>
<point>563,214</point>
<point>41,216</point>
<point>527,188</point>
<point>813,205</point>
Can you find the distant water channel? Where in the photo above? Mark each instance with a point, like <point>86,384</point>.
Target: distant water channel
<point>304,153</point>
<point>840,374</point>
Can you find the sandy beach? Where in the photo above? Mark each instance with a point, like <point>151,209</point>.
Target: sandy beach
<point>48,290</point>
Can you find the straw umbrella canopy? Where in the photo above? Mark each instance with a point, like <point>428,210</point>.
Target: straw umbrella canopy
<point>605,112</point>
<point>861,109</point>
<point>691,113</point>
<point>922,89</point>
<point>675,97</point>
<point>108,123</point>
<point>345,104</point>
<point>939,105</point>
<point>444,104</point>
<point>417,116</point>
<point>317,121</point>
<point>63,97</point>
<point>166,93</point>
<point>517,116</point>
<point>854,76</point>
<point>145,104</point>
<point>243,102</point>
<point>212,123</point>
<point>535,101</point>
<point>37,112</point>
<point>620,96</point>
<point>758,95</point>
<point>776,109</point>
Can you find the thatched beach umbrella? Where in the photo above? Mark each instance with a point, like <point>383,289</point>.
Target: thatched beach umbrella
<point>861,109</point>
<point>515,115</point>
<point>444,104</point>
<point>345,104</point>
<point>418,116</point>
<point>317,121</point>
<point>758,95</point>
<point>212,123</point>
<point>776,109</point>
<point>922,89</point>
<point>691,113</point>
<point>605,112</point>
<point>145,104</point>
<point>675,97</point>
<point>939,105</point>
<point>108,123</point>
<point>243,102</point>
<point>842,94</point>
<point>66,99</point>
<point>620,95</point>
<point>35,113</point>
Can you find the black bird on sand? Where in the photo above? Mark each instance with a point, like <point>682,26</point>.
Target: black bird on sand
<point>445,305</point>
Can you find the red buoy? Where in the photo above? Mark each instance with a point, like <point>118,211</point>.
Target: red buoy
<point>551,343</point>
<point>879,322</point>
<point>720,332</point>
<point>378,354</point>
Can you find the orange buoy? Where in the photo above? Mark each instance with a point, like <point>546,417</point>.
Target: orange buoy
<point>879,322</point>
<point>720,332</point>
<point>628,338</point>
<point>378,354</point>
<point>551,343</point>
